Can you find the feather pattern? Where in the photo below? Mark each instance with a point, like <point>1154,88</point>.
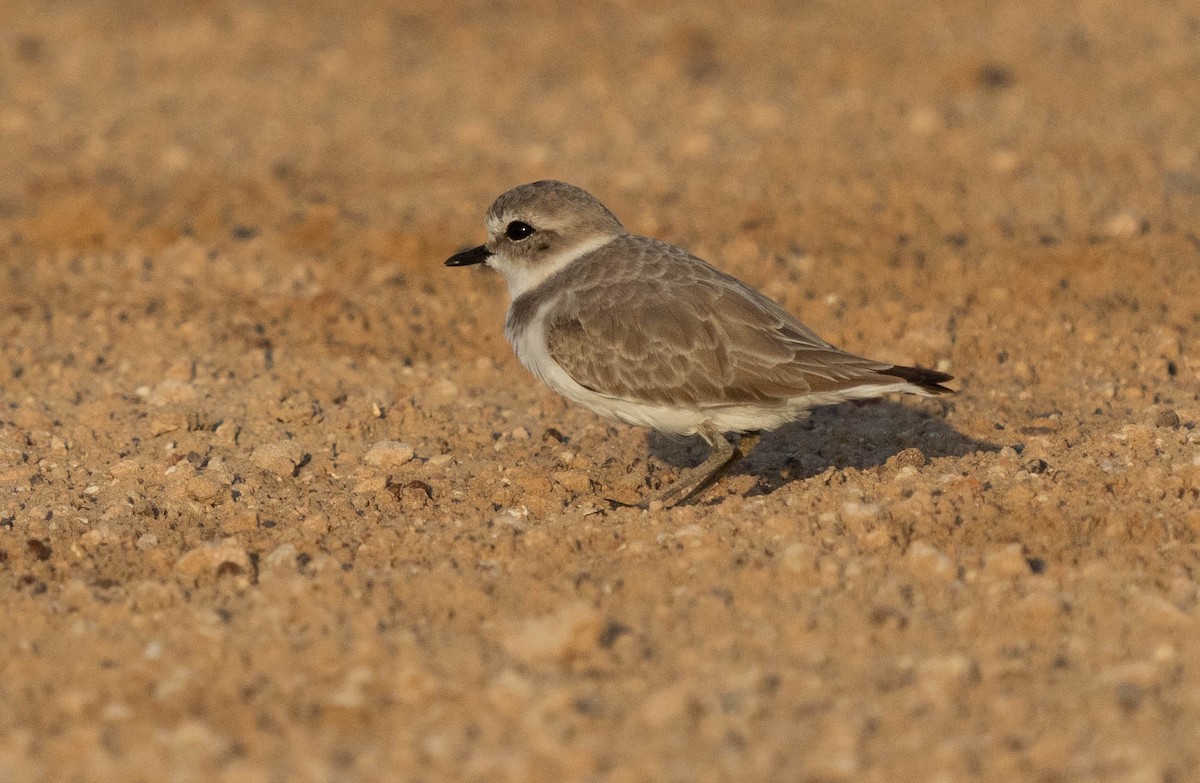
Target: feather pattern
<point>645,321</point>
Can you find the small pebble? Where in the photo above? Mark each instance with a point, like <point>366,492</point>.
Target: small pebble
<point>202,489</point>
<point>282,457</point>
<point>928,563</point>
<point>171,391</point>
<point>388,454</point>
<point>1122,226</point>
<point>1166,418</point>
<point>225,557</point>
<point>282,556</point>
<point>565,634</point>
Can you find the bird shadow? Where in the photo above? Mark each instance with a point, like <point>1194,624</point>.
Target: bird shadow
<point>860,435</point>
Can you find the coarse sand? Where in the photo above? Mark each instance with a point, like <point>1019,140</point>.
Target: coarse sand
<point>278,503</point>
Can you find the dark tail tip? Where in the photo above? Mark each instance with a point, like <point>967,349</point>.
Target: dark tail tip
<point>929,380</point>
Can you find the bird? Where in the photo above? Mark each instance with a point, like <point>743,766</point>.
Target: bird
<point>643,332</point>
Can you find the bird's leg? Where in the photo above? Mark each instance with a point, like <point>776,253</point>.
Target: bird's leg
<point>696,479</point>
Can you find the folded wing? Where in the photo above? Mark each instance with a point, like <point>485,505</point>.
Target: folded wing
<point>674,330</point>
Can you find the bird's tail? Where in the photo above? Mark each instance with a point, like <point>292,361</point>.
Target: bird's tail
<point>928,381</point>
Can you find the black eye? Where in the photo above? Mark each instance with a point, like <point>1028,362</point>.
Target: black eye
<point>518,230</point>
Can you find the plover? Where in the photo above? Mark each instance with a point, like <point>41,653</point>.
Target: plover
<point>644,332</point>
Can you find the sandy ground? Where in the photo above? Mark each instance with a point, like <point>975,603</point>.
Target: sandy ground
<point>277,502</point>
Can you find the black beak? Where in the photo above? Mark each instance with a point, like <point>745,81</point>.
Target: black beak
<point>476,255</point>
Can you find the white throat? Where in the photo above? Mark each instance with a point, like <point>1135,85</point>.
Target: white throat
<point>524,278</point>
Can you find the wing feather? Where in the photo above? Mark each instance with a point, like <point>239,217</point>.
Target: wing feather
<point>646,321</point>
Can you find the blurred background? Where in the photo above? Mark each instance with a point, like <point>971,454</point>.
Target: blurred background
<point>221,234</point>
<point>977,118</point>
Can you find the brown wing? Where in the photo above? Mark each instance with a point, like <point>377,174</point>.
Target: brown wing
<point>645,320</point>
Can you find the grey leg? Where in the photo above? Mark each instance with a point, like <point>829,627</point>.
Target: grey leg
<point>698,478</point>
